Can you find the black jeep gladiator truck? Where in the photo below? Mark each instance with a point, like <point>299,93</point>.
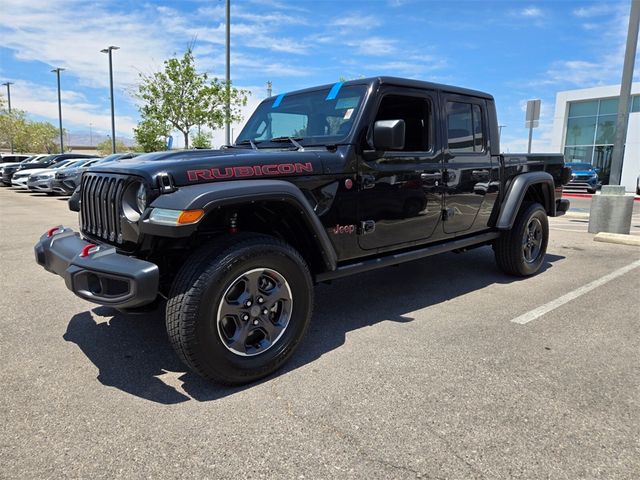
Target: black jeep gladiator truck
<point>321,183</point>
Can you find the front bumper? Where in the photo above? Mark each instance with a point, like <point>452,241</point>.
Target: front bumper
<point>102,276</point>
<point>6,178</point>
<point>20,182</point>
<point>63,185</point>
<point>580,182</point>
<point>43,185</point>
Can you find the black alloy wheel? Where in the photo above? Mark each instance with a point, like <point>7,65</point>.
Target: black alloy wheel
<point>239,307</point>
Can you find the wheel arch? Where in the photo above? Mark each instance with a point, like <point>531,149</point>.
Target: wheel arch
<point>531,186</point>
<point>272,207</point>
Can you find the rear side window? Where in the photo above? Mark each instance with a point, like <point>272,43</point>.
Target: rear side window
<point>465,127</point>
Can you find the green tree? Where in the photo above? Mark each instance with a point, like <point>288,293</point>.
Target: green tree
<point>26,135</point>
<point>151,135</point>
<point>105,148</point>
<point>201,140</point>
<point>37,137</point>
<point>182,97</point>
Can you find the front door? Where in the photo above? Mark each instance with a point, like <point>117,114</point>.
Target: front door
<point>468,176</point>
<point>399,197</point>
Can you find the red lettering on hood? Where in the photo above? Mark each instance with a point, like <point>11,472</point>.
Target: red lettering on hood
<point>195,175</point>
<point>249,171</point>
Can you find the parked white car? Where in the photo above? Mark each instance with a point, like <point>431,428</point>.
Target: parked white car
<point>35,158</point>
<point>40,180</point>
<point>20,178</point>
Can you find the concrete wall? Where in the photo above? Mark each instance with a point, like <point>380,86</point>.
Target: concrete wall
<point>631,163</point>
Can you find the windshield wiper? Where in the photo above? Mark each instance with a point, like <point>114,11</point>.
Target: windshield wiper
<point>248,141</point>
<point>293,140</point>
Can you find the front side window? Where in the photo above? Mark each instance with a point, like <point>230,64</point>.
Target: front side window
<point>465,127</point>
<point>416,113</point>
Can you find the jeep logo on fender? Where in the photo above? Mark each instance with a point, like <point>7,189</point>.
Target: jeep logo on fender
<point>249,171</point>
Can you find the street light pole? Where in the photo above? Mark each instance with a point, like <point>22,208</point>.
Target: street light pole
<point>8,84</point>
<point>622,123</point>
<point>57,72</point>
<point>227,135</point>
<point>269,88</point>
<point>108,51</point>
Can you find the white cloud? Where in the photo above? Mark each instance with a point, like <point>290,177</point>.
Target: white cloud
<point>603,63</point>
<point>374,46</point>
<point>77,111</point>
<point>592,10</point>
<point>531,12</point>
<point>356,20</point>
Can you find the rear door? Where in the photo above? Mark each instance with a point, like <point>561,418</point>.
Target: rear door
<point>468,175</point>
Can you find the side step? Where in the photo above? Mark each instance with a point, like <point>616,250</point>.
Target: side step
<point>407,256</point>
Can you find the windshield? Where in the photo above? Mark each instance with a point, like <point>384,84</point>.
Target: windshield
<point>62,164</point>
<point>316,117</point>
<point>580,166</point>
<point>75,163</point>
<point>113,156</point>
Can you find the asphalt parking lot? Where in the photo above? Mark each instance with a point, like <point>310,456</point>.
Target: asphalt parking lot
<point>417,371</point>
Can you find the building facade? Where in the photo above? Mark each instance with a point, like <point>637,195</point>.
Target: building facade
<point>584,129</point>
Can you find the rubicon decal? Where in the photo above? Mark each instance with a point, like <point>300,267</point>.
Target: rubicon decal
<point>249,171</point>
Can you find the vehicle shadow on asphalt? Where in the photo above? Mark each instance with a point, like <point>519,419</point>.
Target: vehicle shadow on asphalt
<point>133,354</point>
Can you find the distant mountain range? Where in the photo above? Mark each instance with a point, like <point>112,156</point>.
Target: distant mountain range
<point>86,139</point>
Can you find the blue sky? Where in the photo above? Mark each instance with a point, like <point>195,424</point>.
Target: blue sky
<point>515,50</point>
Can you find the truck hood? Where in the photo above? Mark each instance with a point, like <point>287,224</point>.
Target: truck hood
<point>201,166</point>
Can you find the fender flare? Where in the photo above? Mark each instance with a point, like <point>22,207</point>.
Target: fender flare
<point>515,195</point>
<point>210,196</point>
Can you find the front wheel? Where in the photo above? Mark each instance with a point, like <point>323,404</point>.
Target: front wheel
<point>238,310</point>
<point>521,250</point>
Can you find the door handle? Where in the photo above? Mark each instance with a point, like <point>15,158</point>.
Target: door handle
<point>480,173</point>
<point>430,176</point>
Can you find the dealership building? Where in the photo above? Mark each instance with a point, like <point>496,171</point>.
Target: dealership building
<point>584,129</point>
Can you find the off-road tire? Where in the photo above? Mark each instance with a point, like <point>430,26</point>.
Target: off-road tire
<point>198,290</point>
<point>509,248</point>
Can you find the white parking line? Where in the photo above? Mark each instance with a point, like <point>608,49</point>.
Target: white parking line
<point>558,302</point>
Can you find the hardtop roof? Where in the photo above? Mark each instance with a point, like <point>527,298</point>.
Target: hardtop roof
<point>401,82</point>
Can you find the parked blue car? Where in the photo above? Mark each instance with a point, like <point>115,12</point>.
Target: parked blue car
<point>584,175</point>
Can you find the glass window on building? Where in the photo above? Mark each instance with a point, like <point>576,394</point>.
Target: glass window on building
<point>591,132</point>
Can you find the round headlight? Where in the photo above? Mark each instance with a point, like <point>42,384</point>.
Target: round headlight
<point>134,201</point>
<point>141,198</point>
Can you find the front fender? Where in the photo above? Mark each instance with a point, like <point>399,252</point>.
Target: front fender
<point>515,195</point>
<point>209,196</point>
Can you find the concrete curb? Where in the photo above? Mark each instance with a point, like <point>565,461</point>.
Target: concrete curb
<point>618,238</point>
<point>577,215</point>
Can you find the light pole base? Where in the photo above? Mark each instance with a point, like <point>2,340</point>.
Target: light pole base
<point>611,211</point>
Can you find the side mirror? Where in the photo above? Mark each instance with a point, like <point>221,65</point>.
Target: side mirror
<point>388,134</point>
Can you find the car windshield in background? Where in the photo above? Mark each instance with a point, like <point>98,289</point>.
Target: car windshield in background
<point>317,117</point>
<point>580,166</point>
<point>63,164</point>
<point>76,163</point>
<point>109,158</point>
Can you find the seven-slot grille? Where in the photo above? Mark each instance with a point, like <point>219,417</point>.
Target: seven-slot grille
<point>101,205</point>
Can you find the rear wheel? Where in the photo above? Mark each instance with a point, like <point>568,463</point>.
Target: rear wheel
<point>239,308</point>
<point>521,250</point>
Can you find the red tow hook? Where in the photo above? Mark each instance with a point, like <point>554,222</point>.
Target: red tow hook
<point>52,231</point>
<point>86,250</point>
